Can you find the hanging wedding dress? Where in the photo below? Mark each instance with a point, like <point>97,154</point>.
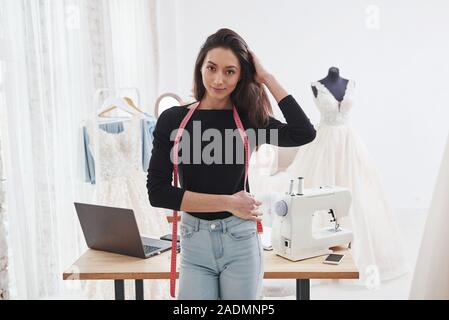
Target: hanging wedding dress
<point>431,276</point>
<point>339,157</point>
<point>120,182</point>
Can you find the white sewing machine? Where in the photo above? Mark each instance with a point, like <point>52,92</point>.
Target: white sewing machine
<point>293,236</point>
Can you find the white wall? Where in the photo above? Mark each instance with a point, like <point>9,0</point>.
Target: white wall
<point>167,42</point>
<point>396,51</point>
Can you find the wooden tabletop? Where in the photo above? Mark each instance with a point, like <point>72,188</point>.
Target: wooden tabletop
<point>100,265</point>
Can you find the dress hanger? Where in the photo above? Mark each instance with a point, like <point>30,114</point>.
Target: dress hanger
<point>131,103</point>
<point>117,100</point>
<point>125,104</point>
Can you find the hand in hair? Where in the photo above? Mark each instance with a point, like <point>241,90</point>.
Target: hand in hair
<point>261,73</point>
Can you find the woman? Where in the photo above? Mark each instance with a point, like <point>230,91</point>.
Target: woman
<point>221,250</point>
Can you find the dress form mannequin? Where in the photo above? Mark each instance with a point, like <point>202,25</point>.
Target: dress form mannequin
<point>334,83</point>
<point>338,156</point>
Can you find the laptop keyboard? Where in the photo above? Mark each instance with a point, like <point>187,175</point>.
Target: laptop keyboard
<point>148,249</point>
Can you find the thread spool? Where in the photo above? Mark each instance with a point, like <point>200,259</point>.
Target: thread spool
<point>300,186</point>
<point>291,188</point>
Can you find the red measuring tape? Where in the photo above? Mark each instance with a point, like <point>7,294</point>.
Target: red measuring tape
<point>184,121</point>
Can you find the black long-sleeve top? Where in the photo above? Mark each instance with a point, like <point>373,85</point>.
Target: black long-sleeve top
<point>219,177</point>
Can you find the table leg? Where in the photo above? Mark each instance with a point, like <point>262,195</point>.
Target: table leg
<point>139,289</point>
<point>302,289</point>
<point>119,288</point>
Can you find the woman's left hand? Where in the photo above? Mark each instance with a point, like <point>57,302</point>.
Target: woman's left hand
<point>261,73</point>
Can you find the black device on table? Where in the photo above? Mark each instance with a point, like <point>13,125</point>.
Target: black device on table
<point>168,237</point>
<point>333,258</point>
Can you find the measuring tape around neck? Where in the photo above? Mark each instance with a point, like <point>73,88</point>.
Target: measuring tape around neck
<point>182,126</point>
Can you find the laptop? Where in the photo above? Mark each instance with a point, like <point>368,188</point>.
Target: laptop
<point>115,230</point>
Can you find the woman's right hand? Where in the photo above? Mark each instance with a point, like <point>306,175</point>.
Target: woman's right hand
<point>244,206</point>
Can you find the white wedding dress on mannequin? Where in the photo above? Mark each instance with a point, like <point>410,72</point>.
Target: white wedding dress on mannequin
<point>338,156</point>
<point>431,276</point>
<point>121,183</point>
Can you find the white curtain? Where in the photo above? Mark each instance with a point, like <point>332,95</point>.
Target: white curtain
<point>431,274</point>
<point>56,54</point>
<point>4,261</point>
<point>134,48</point>
<point>4,278</point>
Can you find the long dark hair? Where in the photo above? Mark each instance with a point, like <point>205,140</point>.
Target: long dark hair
<point>249,96</point>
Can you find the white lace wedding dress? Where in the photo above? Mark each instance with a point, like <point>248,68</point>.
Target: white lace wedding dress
<point>431,275</point>
<point>338,156</point>
<point>122,183</point>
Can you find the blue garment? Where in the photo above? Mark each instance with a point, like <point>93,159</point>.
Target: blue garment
<point>221,259</point>
<point>148,125</point>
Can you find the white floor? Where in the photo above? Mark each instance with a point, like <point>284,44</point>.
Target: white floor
<point>411,222</point>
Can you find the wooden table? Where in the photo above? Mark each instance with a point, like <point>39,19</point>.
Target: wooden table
<point>100,265</point>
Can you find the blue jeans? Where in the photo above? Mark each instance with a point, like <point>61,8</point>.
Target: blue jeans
<point>220,259</point>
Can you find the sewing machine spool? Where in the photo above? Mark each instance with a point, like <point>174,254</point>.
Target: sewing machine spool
<point>300,186</point>
<point>290,190</point>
